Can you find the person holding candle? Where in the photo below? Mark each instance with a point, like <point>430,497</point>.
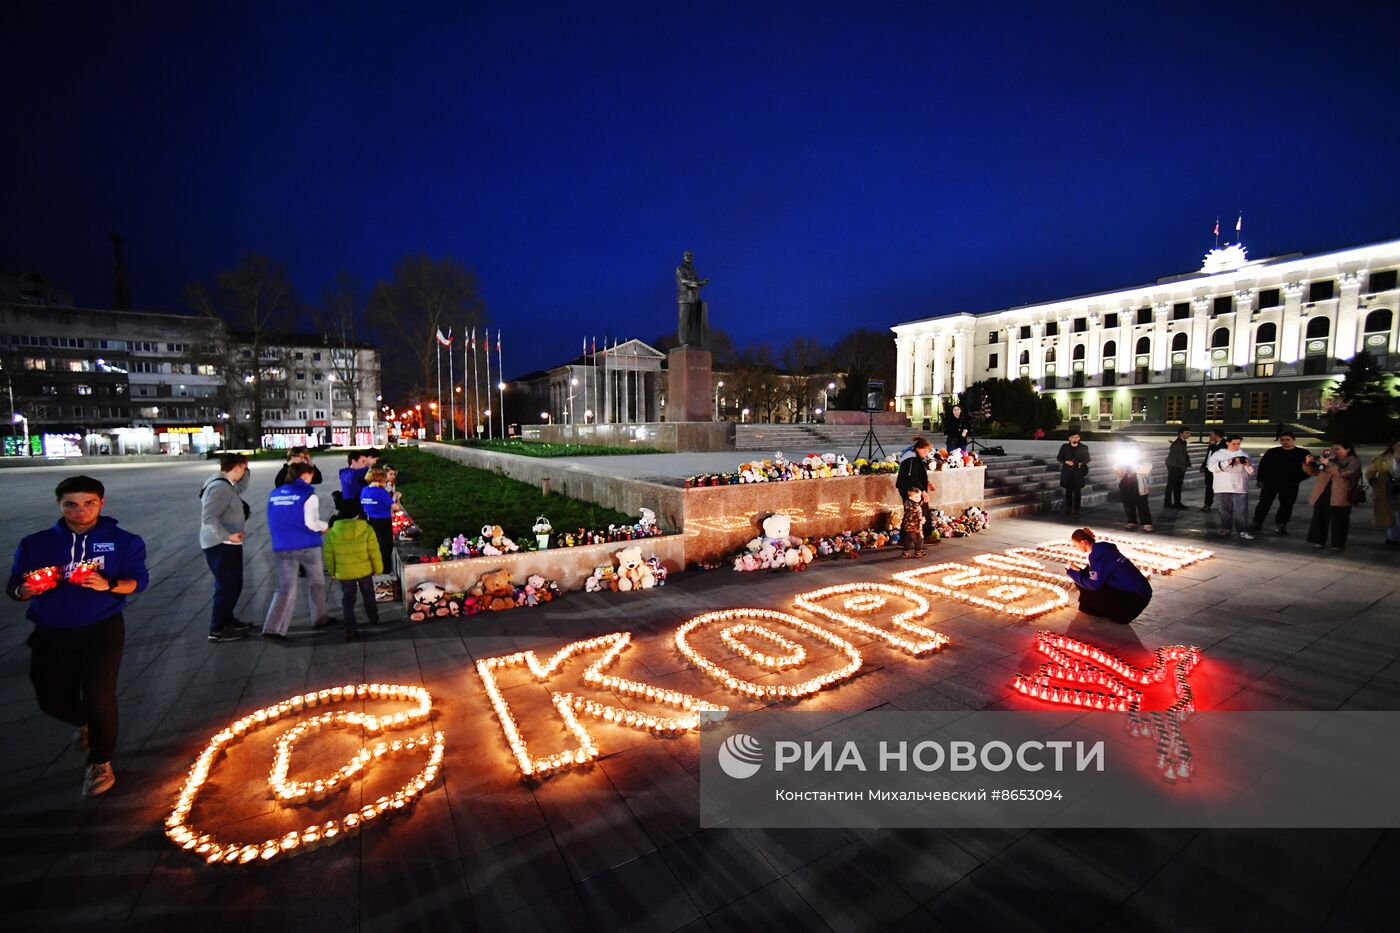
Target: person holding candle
<point>1110,586</point>
<point>295,526</point>
<point>76,577</point>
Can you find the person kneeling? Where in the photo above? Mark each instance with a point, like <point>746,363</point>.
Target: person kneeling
<point>1111,586</point>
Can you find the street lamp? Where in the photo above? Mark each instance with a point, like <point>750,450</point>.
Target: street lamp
<point>744,414</point>
<point>16,418</point>
<point>830,387</point>
<point>718,385</point>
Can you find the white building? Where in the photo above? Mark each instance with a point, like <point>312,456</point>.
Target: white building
<point>1238,342</point>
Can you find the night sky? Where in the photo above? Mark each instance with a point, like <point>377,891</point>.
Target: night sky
<point>832,166</point>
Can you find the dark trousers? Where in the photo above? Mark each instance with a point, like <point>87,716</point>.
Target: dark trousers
<point>74,672</point>
<point>1176,476</point>
<point>226,564</point>
<point>384,531</point>
<point>1286,494</point>
<point>1333,518</point>
<point>365,587</point>
<point>1118,605</point>
<point>1072,497</point>
<point>1136,507</point>
<point>1210,488</point>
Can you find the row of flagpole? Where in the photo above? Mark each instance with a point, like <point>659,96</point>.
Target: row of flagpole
<point>597,398</point>
<point>472,410</point>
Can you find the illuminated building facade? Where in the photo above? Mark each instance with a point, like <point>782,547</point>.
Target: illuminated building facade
<point>1240,342</point>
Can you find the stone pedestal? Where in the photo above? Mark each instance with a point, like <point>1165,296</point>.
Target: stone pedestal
<point>690,385</point>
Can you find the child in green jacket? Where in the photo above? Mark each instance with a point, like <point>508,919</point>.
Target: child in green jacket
<point>352,556</point>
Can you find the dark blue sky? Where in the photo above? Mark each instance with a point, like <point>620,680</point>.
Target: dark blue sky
<point>832,166</point>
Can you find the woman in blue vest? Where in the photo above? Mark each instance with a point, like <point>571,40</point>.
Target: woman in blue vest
<point>295,526</point>
<point>1111,586</point>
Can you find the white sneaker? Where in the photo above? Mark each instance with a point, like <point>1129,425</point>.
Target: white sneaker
<point>80,739</point>
<point>99,779</point>
<point>1246,536</point>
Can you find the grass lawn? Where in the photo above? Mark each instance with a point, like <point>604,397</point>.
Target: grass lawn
<point>543,449</point>
<point>447,499</point>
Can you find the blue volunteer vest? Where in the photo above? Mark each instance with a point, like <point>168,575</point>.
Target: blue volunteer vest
<point>286,517</point>
<point>376,502</point>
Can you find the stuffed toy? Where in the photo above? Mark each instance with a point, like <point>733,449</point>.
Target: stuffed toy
<point>777,527</point>
<point>648,521</point>
<point>535,591</point>
<point>658,570</point>
<point>429,600</point>
<point>495,591</point>
<point>498,540</point>
<point>601,579</point>
<point>632,570</point>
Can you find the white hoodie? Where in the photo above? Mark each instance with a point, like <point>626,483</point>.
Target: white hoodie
<point>1228,477</point>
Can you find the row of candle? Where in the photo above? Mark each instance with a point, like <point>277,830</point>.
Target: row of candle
<point>957,579</point>
<point>903,634</point>
<point>737,684</point>
<point>794,654</point>
<point>215,851</point>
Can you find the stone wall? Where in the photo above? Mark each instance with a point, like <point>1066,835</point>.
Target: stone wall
<point>662,435</point>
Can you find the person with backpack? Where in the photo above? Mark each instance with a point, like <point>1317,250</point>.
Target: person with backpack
<point>222,518</point>
<point>76,576</point>
<point>295,526</point>
<point>352,555</point>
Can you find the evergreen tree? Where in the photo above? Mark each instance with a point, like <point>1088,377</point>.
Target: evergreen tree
<point>1364,407</point>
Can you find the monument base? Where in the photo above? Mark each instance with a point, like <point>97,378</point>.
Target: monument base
<point>689,385</point>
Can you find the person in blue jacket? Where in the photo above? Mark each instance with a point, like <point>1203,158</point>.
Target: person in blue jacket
<point>1111,586</point>
<point>295,526</point>
<point>86,567</point>
<point>352,477</point>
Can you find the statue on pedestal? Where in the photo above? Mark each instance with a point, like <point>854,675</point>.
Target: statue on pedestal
<point>693,328</point>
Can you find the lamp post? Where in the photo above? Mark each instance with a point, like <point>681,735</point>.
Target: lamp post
<point>826,402</point>
<point>744,415</point>
<point>718,385</point>
<point>16,418</point>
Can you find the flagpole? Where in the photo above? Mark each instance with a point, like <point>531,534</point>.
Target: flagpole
<point>476,389</point>
<point>466,396</point>
<point>501,390</point>
<point>437,349</point>
<point>489,435</point>
<point>451,384</point>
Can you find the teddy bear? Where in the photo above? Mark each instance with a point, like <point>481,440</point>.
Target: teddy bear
<point>535,591</point>
<point>777,527</point>
<point>495,591</point>
<point>497,537</point>
<point>658,570</point>
<point>648,521</point>
<point>429,600</point>
<point>632,570</point>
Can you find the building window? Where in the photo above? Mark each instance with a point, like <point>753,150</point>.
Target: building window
<point>1110,320</point>
<point>992,362</point>
<point>320,414</point>
<point>994,336</point>
<point>1309,402</point>
<point>1259,409</point>
<point>1081,325</point>
<point>1052,328</point>
<point>1176,408</point>
<point>1381,281</point>
<point>1263,370</point>
<point>1179,342</point>
<point>1220,372</point>
<point>301,377</point>
<point>1220,337</point>
<point>301,414</point>
<point>1110,377</point>
<point>1025,332</point>
<point>298,355</point>
<point>1139,410</point>
<point>1144,315</point>
<point>1181,311</point>
<point>1222,305</point>
<point>1105,412</point>
<point>177,348</point>
<point>35,362</point>
<point>1315,346</point>
<point>1215,407</point>
<point>1320,291</point>
<point>82,390</point>
<point>1144,345</point>
<point>316,357</point>
<point>1375,337</point>
<point>1025,358</point>
<point>1269,298</point>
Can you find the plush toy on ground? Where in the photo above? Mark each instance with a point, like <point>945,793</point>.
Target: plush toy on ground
<point>495,591</point>
<point>633,572</point>
<point>431,601</point>
<point>535,591</point>
<point>776,549</point>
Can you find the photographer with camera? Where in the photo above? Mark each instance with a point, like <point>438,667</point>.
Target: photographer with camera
<point>1230,470</point>
<point>1334,492</point>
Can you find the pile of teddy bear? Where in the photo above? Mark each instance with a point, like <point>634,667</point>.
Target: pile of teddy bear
<point>952,459</point>
<point>492,542</point>
<point>633,572</point>
<point>971,521</point>
<point>778,549</point>
<point>778,469</point>
<point>493,592</point>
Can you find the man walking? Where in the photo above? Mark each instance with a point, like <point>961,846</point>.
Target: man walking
<point>1281,469</point>
<point>222,515</point>
<point>1231,469</point>
<point>294,523</point>
<point>1178,462</point>
<point>76,577</point>
<point>1217,443</point>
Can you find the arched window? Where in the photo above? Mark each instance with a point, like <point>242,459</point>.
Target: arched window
<point>1025,357</point>
<point>1179,342</point>
<point>1144,345</point>
<point>1378,321</point>
<point>1319,327</point>
<point>1110,348</point>
<point>1267,333</point>
<point>1078,352</point>
<point>1050,355</point>
<point>1220,337</point>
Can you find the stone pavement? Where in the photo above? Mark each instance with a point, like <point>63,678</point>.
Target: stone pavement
<point>618,847</point>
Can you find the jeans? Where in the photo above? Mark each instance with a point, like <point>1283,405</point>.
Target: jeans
<point>1118,605</point>
<point>1286,494</point>
<point>1136,508</point>
<point>1327,517</point>
<point>74,671</point>
<point>1210,488</point>
<point>1234,511</point>
<point>1176,477</point>
<point>279,611</point>
<point>365,587</point>
<point>226,564</point>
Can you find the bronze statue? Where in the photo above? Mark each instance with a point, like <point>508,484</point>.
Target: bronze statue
<point>693,329</point>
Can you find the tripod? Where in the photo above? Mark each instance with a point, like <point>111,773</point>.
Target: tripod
<point>871,442</point>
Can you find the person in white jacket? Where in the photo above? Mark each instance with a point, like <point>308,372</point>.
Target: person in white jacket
<point>1230,468</point>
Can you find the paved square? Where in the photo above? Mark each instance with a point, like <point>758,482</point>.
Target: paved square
<point>618,846</point>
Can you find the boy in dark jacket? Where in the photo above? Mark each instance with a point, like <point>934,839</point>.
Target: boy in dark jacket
<point>76,577</point>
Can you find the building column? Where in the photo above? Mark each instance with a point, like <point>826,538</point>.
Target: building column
<point>1200,334</point>
<point>1241,331</point>
<point>1349,320</point>
<point>1037,352</point>
<point>922,345</point>
<point>940,363</point>
<point>1160,343</point>
<point>904,386</point>
<point>1291,329</point>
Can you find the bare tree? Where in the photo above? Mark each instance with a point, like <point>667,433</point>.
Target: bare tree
<point>253,300</point>
<point>338,317</point>
<point>870,351</point>
<point>806,360</point>
<point>424,296</point>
